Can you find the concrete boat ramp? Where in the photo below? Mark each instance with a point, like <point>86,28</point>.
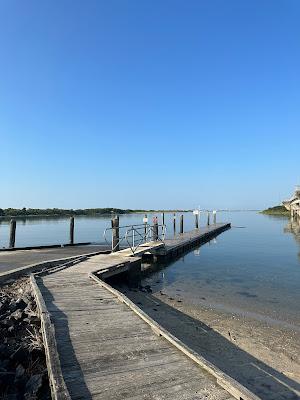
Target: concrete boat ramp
<point>100,345</point>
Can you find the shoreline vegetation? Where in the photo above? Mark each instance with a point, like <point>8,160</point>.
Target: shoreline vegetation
<point>58,212</point>
<point>276,210</point>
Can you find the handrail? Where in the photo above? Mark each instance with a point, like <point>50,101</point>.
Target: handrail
<point>137,235</point>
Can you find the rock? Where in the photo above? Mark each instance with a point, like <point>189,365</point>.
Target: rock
<point>11,329</point>
<point>12,396</point>
<point>20,356</point>
<point>4,351</point>
<point>6,379</point>
<point>12,306</point>
<point>8,322</point>
<point>4,365</point>
<point>33,385</point>
<point>20,370</point>
<point>21,304</point>
<point>17,315</point>
<point>3,306</point>
<point>26,298</point>
<point>32,320</point>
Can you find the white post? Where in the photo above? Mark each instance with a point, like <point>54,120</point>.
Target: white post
<point>215,216</point>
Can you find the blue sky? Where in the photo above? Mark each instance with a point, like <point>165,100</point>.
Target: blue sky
<point>149,104</point>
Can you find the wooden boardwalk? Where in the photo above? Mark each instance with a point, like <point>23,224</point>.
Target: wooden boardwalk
<point>107,349</point>
<point>107,352</point>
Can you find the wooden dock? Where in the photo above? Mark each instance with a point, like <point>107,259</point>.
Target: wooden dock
<point>107,348</point>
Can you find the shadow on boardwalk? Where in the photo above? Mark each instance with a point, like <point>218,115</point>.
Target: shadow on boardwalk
<point>264,381</point>
<point>71,369</point>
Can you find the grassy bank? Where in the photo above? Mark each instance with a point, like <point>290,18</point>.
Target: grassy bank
<point>277,210</point>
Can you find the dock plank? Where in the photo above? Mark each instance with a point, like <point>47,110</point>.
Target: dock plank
<point>106,350</point>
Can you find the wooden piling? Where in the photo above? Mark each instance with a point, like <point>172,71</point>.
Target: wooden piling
<point>115,234</point>
<point>174,223</point>
<point>145,220</point>
<point>12,233</point>
<point>155,229</point>
<point>163,218</point>
<point>215,216</point>
<point>181,223</point>
<point>197,221</point>
<point>72,230</point>
<point>208,218</point>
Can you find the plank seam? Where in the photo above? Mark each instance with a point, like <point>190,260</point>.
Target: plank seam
<point>229,384</point>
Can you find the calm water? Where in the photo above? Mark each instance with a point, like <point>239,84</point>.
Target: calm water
<point>254,269</point>
<point>43,231</point>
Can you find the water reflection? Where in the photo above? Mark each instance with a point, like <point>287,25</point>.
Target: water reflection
<point>293,226</point>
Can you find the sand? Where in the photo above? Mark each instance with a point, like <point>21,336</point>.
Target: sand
<point>260,354</point>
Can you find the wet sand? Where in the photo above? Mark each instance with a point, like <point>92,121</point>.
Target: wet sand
<point>260,354</point>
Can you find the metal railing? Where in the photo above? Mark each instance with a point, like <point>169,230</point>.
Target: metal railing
<point>135,235</point>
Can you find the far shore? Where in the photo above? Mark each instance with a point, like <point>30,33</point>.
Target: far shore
<point>276,210</point>
<point>90,213</point>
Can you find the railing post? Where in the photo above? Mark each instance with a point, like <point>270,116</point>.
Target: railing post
<point>181,223</point>
<point>145,220</point>
<point>208,218</point>
<point>12,233</point>
<point>155,229</point>
<point>72,230</point>
<point>174,223</point>
<point>215,216</point>
<point>197,221</point>
<point>115,234</point>
<point>133,238</point>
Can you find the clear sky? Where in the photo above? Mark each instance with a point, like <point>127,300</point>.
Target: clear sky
<point>149,104</point>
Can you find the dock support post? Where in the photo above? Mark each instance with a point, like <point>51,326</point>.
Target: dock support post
<point>197,221</point>
<point>145,228</point>
<point>115,234</point>
<point>163,218</point>
<point>181,223</point>
<point>215,216</point>
<point>72,230</point>
<point>174,223</point>
<point>155,229</point>
<point>12,233</point>
<point>208,218</point>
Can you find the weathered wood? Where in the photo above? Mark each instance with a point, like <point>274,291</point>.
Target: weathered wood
<point>58,387</point>
<point>181,223</point>
<point>72,230</point>
<point>155,229</point>
<point>145,228</point>
<point>115,234</point>
<point>106,350</point>
<point>208,218</point>
<point>197,221</point>
<point>12,233</point>
<point>230,384</point>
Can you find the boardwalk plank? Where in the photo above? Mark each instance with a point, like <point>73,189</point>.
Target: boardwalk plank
<point>106,351</point>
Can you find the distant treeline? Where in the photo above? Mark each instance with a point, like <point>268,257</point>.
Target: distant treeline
<point>16,212</point>
<point>277,210</point>
<point>31,212</point>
